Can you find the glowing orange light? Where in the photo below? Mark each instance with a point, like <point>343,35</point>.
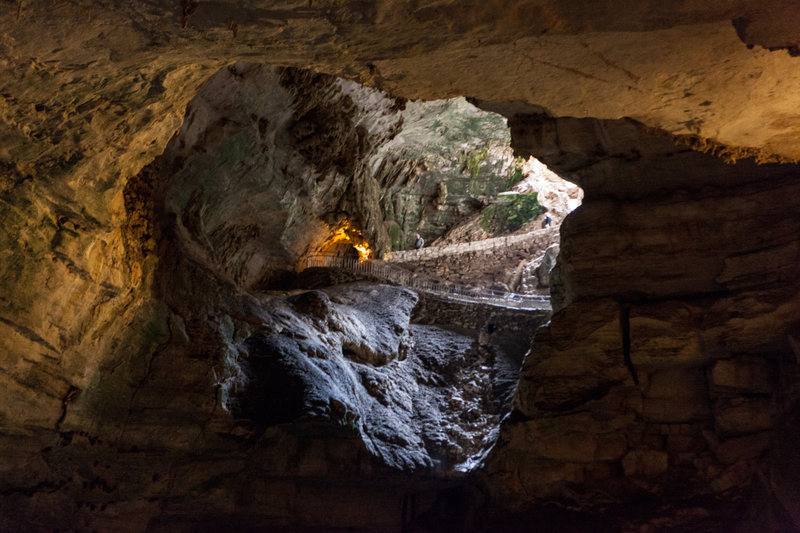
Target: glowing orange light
<point>364,253</point>
<point>346,232</point>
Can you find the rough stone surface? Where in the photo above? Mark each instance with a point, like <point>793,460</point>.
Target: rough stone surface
<point>178,357</point>
<point>744,374</point>
<point>418,396</point>
<point>676,261</point>
<point>545,268</point>
<point>447,163</point>
<point>685,347</point>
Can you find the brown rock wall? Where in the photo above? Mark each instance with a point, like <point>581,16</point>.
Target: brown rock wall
<point>675,264</point>
<point>681,345</point>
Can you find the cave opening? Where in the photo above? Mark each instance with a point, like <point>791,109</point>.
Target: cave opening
<point>344,242</point>
<point>448,180</point>
<point>304,192</point>
<point>170,364</point>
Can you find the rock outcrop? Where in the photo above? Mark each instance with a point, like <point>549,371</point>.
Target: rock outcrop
<point>448,162</point>
<point>417,396</point>
<point>661,381</point>
<point>180,359</point>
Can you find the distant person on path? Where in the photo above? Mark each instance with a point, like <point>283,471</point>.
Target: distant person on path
<point>419,242</point>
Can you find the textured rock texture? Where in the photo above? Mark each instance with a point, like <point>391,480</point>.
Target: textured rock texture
<point>257,182</point>
<point>448,162</point>
<point>419,397</point>
<point>249,393</point>
<point>662,380</point>
<point>667,374</point>
<point>506,263</point>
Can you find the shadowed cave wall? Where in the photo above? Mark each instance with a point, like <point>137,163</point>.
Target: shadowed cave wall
<point>666,378</point>
<point>272,393</point>
<point>690,355</point>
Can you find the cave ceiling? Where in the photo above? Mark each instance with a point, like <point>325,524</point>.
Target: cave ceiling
<point>78,76</point>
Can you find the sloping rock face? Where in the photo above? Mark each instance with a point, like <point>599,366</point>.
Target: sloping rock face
<point>267,161</point>
<point>418,396</point>
<point>663,381</point>
<point>449,160</point>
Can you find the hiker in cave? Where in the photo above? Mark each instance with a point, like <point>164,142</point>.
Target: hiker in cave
<point>419,242</point>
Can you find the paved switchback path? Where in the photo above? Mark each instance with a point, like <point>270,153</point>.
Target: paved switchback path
<point>500,262</point>
<point>391,271</point>
<point>532,241</point>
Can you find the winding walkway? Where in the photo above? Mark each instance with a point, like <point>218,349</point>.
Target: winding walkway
<point>536,237</point>
<point>389,272</point>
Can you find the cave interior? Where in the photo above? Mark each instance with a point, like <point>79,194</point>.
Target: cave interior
<point>213,317</point>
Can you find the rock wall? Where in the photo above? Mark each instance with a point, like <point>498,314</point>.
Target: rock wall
<point>662,381</point>
<point>191,384</point>
<point>448,161</point>
<point>678,280</point>
<point>508,263</point>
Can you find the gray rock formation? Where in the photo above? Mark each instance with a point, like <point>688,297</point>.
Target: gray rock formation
<point>418,397</point>
<point>546,266</point>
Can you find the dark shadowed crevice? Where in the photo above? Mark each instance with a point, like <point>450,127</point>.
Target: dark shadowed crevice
<point>625,326</point>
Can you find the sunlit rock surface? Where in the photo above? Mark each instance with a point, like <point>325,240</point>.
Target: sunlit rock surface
<point>419,396</point>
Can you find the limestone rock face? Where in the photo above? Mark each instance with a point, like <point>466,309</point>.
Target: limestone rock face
<point>445,165</point>
<point>244,162</point>
<point>574,59</point>
<point>668,370</point>
<point>671,369</point>
<point>417,396</point>
<point>547,265</point>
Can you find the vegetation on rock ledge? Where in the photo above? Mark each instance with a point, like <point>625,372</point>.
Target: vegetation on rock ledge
<point>474,161</point>
<point>511,214</point>
<point>517,175</point>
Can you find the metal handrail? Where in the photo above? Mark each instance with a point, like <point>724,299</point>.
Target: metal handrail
<point>382,270</point>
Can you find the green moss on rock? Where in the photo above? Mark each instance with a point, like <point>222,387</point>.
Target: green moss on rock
<point>487,216</point>
<point>510,213</point>
<point>517,175</point>
<point>474,161</point>
<point>395,235</point>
